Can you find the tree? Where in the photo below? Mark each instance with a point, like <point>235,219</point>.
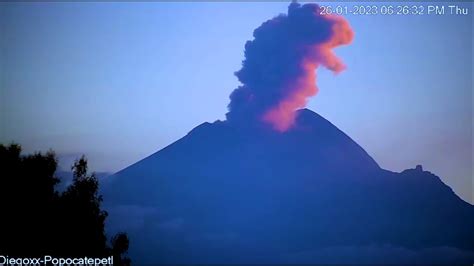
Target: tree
<point>83,219</point>
<point>27,200</point>
<point>38,220</point>
<point>120,244</point>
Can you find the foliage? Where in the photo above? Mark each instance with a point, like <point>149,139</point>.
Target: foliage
<point>38,221</point>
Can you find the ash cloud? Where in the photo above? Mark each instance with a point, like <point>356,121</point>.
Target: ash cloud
<point>278,72</point>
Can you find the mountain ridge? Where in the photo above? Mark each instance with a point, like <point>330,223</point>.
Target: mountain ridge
<point>260,192</point>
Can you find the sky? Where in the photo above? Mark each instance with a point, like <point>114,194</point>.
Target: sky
<point>118,81</point>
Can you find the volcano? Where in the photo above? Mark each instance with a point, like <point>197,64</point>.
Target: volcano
<point>233,193</point>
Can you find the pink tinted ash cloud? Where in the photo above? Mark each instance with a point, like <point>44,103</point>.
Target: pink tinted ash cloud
<point>278,74</point>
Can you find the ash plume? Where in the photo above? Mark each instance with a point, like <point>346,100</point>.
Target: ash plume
<point>278,73</point>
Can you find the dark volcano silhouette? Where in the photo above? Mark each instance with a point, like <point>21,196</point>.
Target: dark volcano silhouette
<point>227,193</point>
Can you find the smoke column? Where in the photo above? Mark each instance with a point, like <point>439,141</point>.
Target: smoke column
<point>278,73</point>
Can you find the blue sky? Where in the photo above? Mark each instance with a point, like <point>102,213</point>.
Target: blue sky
<point>119,81</point>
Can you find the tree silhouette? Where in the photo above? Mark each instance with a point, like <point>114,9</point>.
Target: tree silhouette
<point>27,199</point>
<point>80,205</point>
<point>120,244</point>
<point>38,221</point>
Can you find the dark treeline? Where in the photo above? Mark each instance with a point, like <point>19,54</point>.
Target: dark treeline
<point>37,220</point>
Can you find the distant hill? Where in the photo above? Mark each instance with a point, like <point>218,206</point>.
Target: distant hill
<point>247,194</point>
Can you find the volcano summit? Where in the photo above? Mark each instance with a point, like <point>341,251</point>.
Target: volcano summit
<point>254,195</point>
